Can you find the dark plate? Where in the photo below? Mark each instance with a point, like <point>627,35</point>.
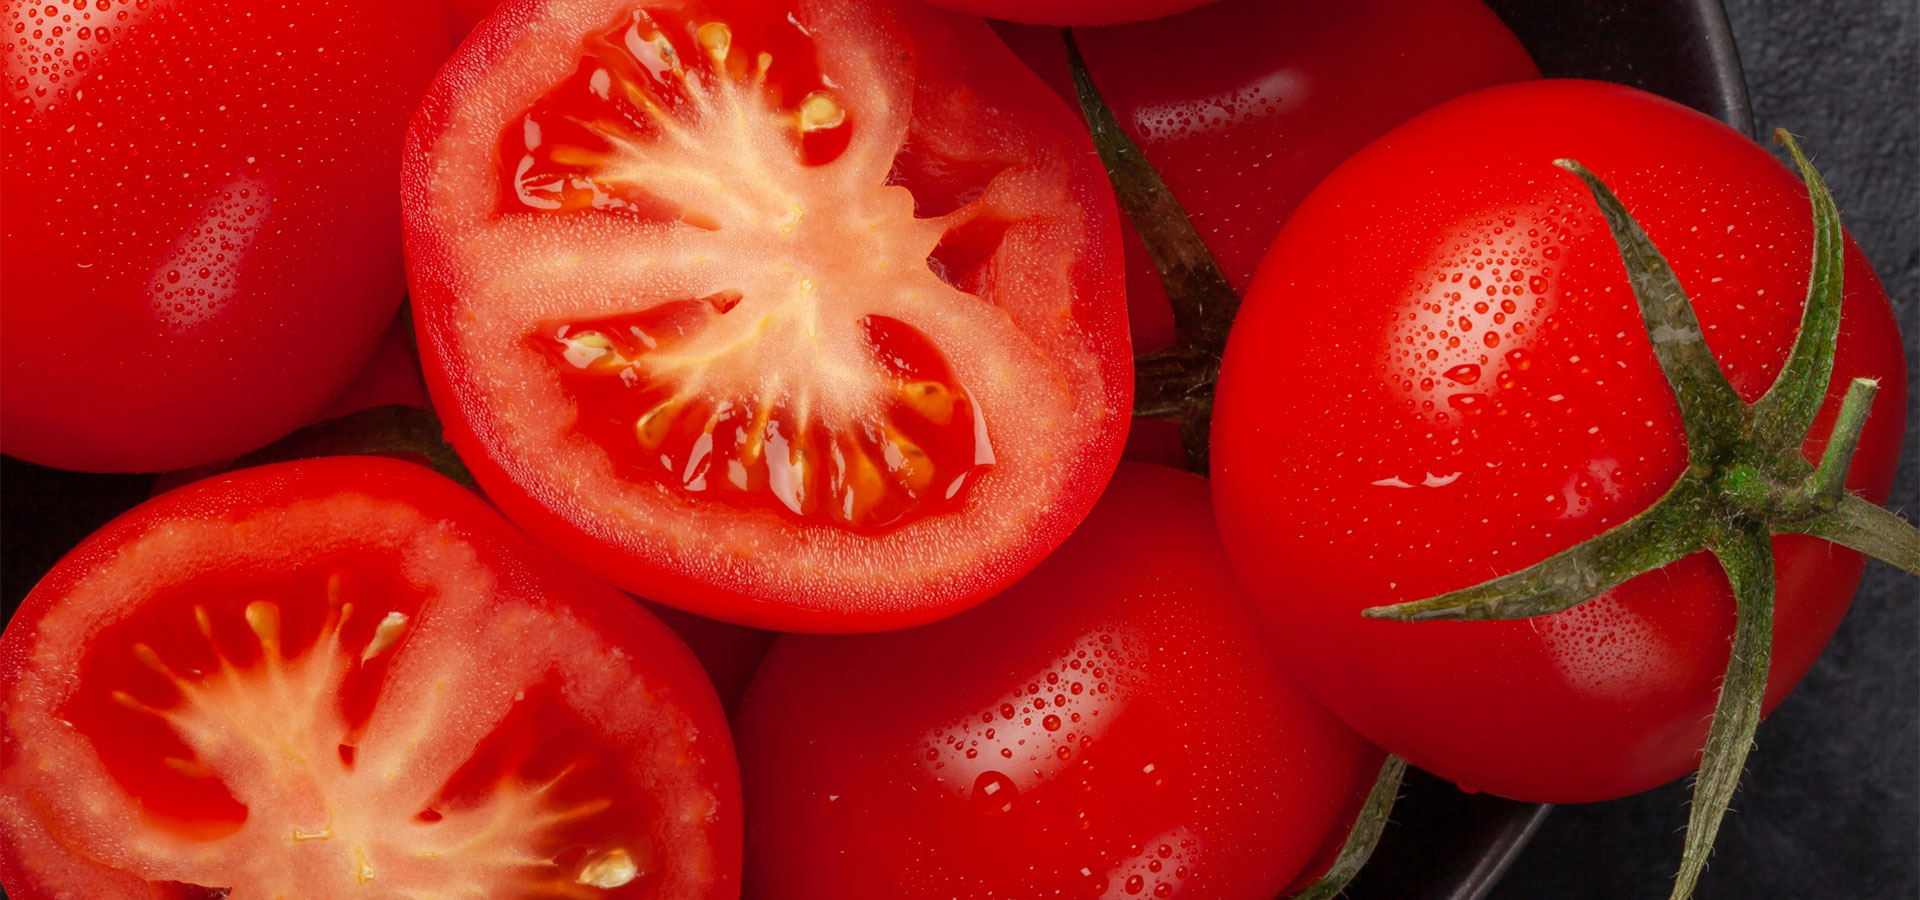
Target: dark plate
<point>1443,845</point>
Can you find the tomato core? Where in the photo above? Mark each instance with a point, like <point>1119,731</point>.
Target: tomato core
<point>684,123</point>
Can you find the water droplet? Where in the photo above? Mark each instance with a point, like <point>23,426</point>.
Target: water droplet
<point>1465,373</point>
<point>993,794</point>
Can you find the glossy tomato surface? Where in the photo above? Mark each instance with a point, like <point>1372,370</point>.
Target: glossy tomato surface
<point>1440,375</point>
<point>1114,725</point>
<point>200,235</point>
<point>350,678</point>
<point>803,316</point>
<point>1244,105</point>
<point>1070,12</point>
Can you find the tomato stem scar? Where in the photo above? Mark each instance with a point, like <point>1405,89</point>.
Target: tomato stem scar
<point>1746,480</point>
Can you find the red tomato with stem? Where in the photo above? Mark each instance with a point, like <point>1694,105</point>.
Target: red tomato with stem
<point>1071,12</point>
<point>1440,375</point>
<point>1244,105</point>
<point>805,316</point>
<point>1114,725</point>
<point>324,678</point>
<point>200,233</point>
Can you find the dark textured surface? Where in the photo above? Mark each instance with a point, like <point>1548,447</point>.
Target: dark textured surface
<point>1830,806</point>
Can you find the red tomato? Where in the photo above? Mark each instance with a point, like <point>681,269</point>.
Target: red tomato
<point>1243,106</point>
<point>730,653</point>
<point>200,236</point>
<point>1113,725</point>
<point>463,15</point>
<point>1440,375</point>
<point>332,677</point>
<point>808,319</point>
<point>1071,12</point>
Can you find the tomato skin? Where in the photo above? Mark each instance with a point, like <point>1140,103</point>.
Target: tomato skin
<point>1243,107</point>
<point>1071,12</point>
<point>628,635</point>
<point>651,559</point>
<point>200,231</point>
<point>1346,489</point>
<point>1195,735</point>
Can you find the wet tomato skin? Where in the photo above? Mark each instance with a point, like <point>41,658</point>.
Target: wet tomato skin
<point>525,593</point>
<point>200,230</point>
<point>1113,725</point>
<point>1242,110</point>
<point>1071,12</point>
<point>1440,376</point>
<point>768,570</point>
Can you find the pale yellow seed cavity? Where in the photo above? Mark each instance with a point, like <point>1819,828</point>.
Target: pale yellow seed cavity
<point>385,634</point>
<point>819,111</point>
<point>609,870</point>
<point>264,618</point>
<point>717,38</point>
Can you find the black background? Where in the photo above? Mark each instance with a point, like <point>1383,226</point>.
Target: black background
<point>1830,806</point>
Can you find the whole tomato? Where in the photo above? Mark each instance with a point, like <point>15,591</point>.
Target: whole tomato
<point>1114,725</point>
<point>1440,375</point>
<point>201,229</point>
<point>1244,105</point>
<point>1070,12</point>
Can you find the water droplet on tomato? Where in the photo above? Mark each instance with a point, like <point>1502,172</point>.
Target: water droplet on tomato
<point>1465,373</point>
<point>993,794</point>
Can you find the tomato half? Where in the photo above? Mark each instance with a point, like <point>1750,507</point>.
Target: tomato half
<point>1114,725</point>
<point>1440,375</point>
<point>801,316</point>
<point>200,236</point>
<point>349,678</point>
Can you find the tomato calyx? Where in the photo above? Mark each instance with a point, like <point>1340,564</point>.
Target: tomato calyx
<point>1176,382</point>
<point>1363,836</point>
<point>1745,481</point>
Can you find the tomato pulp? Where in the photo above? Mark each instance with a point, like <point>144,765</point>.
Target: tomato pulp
<point>800,316</point>
<point>1440,375</point>
<point>1114,725</point>
<point>199,236</point>
<point>348,677</point>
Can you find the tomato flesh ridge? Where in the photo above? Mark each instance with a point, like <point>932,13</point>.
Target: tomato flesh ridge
<point>633,132</point>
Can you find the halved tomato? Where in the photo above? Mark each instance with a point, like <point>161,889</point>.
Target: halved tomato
<point>806,316</point>
<point>349,678</point>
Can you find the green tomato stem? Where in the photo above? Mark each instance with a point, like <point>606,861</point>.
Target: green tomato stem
<point>1175,383</point>
<point>1363,837</point>
<point>1828,482</point>
<point>1746,555</point>
<point>1783,416</point>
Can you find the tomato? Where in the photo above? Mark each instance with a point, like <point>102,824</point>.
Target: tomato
<point>805,318</point>
<point>1071,12</point>
<point>729,653</point>
<point>200,235</point>
<point>463,15</point>
<point>1440,375</point>
<point>335,677</point>
<point>1116,724</point>
<point>1243,106</point>
<point>390,378</point>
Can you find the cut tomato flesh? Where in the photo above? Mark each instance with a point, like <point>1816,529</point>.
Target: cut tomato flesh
<point>659,123</point>
<point>344,700</point>
<point>751,308</point>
